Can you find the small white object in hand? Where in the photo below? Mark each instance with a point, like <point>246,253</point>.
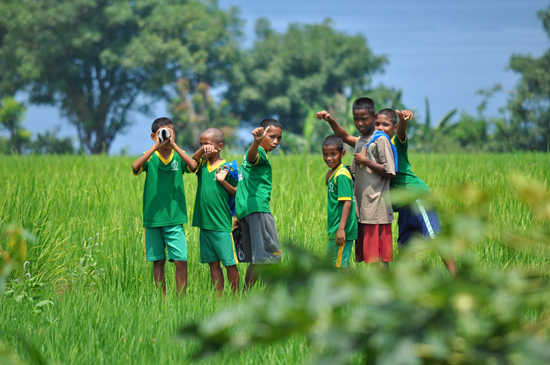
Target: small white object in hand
<point>164,134</point>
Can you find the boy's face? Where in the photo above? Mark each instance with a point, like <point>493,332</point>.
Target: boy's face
<point>170,127</point>
<point>383,123</point>
<point>208,139</point>
<point>272,139</point>
<point>332,156</point>
<point>363,121</point>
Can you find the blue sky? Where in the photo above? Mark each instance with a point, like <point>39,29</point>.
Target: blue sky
<point>443,50</point>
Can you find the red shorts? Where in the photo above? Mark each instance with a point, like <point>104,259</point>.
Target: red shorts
<point>374,243</point>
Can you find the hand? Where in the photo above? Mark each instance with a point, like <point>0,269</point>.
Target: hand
<point>341,237</point>
<point>158,143</point>
<point>208,148</point>
<point>361,158</point>
<point>172,139</point>
<point>404,114</point>
<point>221,174</point>
<point>259,133</point>
<point>324,115</point>
<point>236,223</point>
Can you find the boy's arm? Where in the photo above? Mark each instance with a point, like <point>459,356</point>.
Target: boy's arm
<point>377,168</point>
<point>221,176</point>
<point>188,160</point>
<point>140,162</point>
<point>337,128</point>
<point>201,151</point>
<point>259,134</point>
<point>404,116</point>
<point>341,233</point>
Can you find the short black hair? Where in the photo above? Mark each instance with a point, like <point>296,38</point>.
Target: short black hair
<point>217,133</point>
<point>333,140</point>
<point>160,122</point>
<point>270,122</point>
<point>390,113</point>
<point>365,104</point>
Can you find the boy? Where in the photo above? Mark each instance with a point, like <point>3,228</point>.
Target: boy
<point>341,220</point>
<point>374,167</point>
<point>414,211</point>
<point>164,209</point>
<point>212,213</point>
<point>260,237</point>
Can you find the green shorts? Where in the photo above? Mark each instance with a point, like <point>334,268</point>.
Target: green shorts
<point>339,255</point>
<point>217,246</point>
<point>157,239</point>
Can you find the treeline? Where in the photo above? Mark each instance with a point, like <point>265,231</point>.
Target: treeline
<point>100,60</point>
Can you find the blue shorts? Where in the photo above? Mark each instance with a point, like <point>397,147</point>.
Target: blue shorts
<point>414,218</point>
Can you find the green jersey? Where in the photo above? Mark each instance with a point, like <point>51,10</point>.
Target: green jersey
<point>405,180</point>
<point>164,193</point>
<point>254,189</point>
<point>340,189</point>
<point>212,210</point>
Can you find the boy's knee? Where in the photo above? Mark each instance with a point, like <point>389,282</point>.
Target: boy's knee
<point>214,265</point>
<point>159,263</point>
<point>181,265</point>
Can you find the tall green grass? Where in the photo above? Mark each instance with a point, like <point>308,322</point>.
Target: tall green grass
<point>106,308</point>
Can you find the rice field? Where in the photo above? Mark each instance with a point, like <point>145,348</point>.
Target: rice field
<point>88,257</point>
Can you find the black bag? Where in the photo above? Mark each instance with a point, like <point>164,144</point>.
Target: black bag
<point>243,255</point>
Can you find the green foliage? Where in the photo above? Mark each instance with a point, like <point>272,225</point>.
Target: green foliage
<point>410,315</point>
<point>529,104</point>
<point>49,143</point>
<point>94,58</point>
<point>284,73</point>
<point>12,114</point>
<point>117,315</point>
<point>193,111</point>
<point>13,250</point>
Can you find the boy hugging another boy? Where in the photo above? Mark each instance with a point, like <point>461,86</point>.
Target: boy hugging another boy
<point>212,212</point>
<point>164,209</point>
<point>260,237</point>
<point>374,167</point>
<point>341,220</point>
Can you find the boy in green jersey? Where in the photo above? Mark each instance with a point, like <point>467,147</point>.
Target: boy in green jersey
<point>212,213</point>
<point>341,219</point>
<point>417,214</point>
<point>164,209</point>
<point>260,237</point>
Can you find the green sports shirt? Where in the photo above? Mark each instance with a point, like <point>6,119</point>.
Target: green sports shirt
<point>405,180</point>
<point>254,188</point>
<point>212,210</point>
<point>340,189</point>
<point>164,193</point>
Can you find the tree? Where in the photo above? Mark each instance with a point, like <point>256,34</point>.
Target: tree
<point>193,111</point>
<point>11,115</point>
<point>286,73</point>
<point>99,60</point>
<point>529,105</point>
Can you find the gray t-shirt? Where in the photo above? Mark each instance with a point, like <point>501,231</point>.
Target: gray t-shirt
<point>372,191</point>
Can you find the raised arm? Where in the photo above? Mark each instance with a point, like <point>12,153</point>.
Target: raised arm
<point>201,151</point>
<point>259,134</point>
<point>138,164</point>
<point>337,128</point>
<point>404,116</point>
<point>188,160</point>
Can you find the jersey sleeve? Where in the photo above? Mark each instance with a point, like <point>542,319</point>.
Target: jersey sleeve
<point>385,155</point>
<point>344,186</point>
<point>185,168</point>
<point>143,168</point>
<point>262,157</point>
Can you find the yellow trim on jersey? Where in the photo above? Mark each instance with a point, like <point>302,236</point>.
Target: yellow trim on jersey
<point>166,162</point>
<point>344,198</point>
<point>341,170</point>
<point>233,246</point>
<point>339,256</point>
<point>395,135</point>
<point>141,168</point>
<point>257,160</point>
<point>216,165</point>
